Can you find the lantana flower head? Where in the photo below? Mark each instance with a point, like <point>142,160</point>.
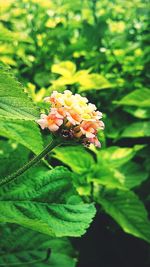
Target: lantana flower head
<point>73,117</point>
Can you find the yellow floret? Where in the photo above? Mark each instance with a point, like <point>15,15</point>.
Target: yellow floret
<point>86,116</point>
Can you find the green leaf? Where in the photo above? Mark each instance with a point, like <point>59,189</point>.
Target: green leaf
<point>127,176</point>
<point>26,133</point>
<point>139,98</point>
<point>14,102</point>
<point>42,200</point>
<point>104,175</point>
<point>22,246</point>
<point>65,68</point>
<point>116,156</point>
<point>10,36</point>
<point>12,157</point>
<point>76,157</point>
<point>93,81</point>
<point>141,113</point>
<point>116,170</point>
<point>42,78</point>
<point>132,174</point>
<point>61,82</point>
<point>127,210</point>
<point>5,34</point>
<point>137,129</point>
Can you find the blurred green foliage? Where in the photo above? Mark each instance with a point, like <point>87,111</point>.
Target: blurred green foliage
<point>101,50</point>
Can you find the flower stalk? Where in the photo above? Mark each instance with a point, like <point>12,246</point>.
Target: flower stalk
<point>32,162</point>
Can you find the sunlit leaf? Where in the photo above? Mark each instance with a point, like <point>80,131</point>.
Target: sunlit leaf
<point>116,156</point>
<point>24,132</point>
<point>93,81</point>
<point>65,68</point>
<point>14,102</point>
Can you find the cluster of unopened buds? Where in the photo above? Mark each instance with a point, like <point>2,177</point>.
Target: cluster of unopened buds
<point>72,117</point>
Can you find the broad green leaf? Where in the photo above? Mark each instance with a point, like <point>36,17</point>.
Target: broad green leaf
<point>116,156</point>
<point>14,102</point>
<point>141,113</point>
<point>127,176</point>
<point>86,80</point>
<point>43,201</point>
<point>93,81</point>
<point>137,129</point>
<point>127,210</point>
<point>76,157</point>
<point>103,174</point>
<point>65,68</point>
<point>12,157</point>
<point>62,81</point>
<point>82,76</point>
<point>131,175</point>
<point>24,132</point>
<point>23,246</point>
<point>139,98</point>
<point>116,170</point>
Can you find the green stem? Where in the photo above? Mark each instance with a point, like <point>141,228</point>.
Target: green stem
<point>32,162</point>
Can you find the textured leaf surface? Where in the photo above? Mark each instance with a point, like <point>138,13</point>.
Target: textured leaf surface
<point>33,247</point>
<point>26,133</point>
<point>76,157</point>
<point>43,201</point>
<point>12,157</point>
<point>128,211</point>
<point>14,102</point>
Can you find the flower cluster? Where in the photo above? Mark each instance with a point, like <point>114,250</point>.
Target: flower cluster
<point>72,116</point>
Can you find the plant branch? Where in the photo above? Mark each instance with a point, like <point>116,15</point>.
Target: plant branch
<point>32,162</point>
